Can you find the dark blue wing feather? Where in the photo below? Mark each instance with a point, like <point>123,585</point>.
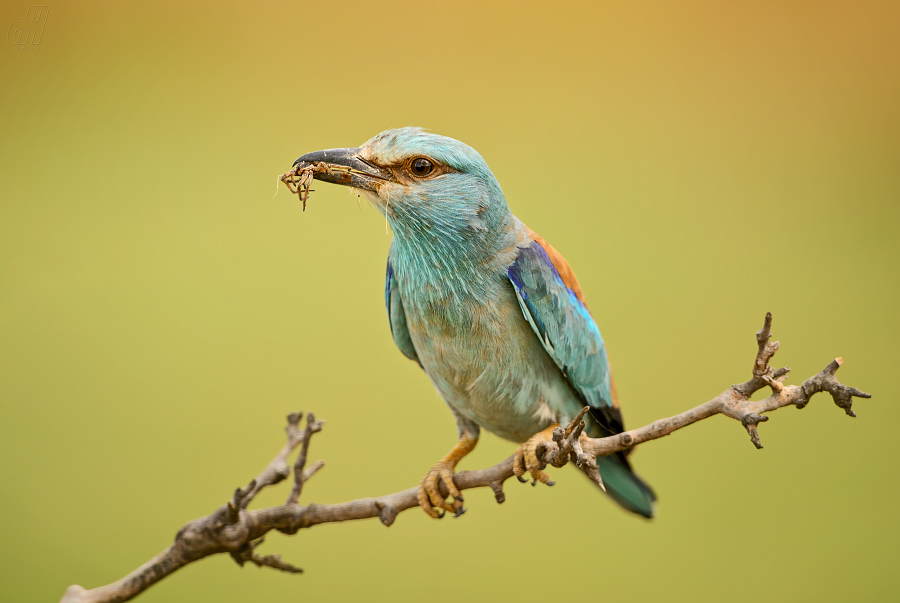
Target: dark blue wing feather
<point>396,314</point>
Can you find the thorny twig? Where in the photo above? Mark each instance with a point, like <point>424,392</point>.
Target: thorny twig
<point>238,531</point>
<point>301,475</point>
<point>278,469</point>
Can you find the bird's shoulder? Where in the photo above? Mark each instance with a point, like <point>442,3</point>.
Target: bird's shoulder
<point>566,274</point>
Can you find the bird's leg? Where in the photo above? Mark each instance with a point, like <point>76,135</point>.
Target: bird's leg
<point>527,457</point>
<point>429,495</point>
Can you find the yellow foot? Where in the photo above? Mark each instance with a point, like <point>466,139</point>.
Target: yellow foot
<point>528,461</point>
<point>429,494</point>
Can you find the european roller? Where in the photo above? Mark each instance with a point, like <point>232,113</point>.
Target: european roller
<point>486,307</point>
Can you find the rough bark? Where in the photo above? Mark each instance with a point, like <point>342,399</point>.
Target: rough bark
<point>234,529</point>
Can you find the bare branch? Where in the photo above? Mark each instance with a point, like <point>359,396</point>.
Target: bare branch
<point>278,468</point>
<point>238,531</point>
<point>300,476</point>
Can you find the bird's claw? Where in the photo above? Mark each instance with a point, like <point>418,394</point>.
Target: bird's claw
<point>527,460</point>
<point>429,495</point>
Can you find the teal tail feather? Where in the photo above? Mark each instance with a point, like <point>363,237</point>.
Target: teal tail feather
<point>624,487</point>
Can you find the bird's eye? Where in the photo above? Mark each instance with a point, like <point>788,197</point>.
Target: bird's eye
<point>421,167</point>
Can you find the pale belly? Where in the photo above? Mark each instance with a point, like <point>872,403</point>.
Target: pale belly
<point>494,370</point>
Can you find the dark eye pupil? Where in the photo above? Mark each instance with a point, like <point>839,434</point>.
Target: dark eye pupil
<point>422,167</point>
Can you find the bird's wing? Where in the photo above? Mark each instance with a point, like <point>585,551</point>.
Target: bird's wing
<point>396,315</point>
<point>554,306</point>
<point>553,303</point>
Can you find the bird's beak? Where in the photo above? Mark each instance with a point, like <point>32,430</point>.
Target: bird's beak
<point>344,166</point>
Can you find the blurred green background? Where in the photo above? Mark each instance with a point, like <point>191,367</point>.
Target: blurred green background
<point>698,163</point>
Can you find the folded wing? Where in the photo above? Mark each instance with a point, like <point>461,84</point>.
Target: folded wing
<point>553,304</point>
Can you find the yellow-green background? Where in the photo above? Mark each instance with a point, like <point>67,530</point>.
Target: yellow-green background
<point>698,164</point>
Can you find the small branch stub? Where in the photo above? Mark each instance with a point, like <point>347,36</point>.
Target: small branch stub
<point>247,554</point>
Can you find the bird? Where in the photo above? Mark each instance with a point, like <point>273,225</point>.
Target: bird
<point>488,309</point>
